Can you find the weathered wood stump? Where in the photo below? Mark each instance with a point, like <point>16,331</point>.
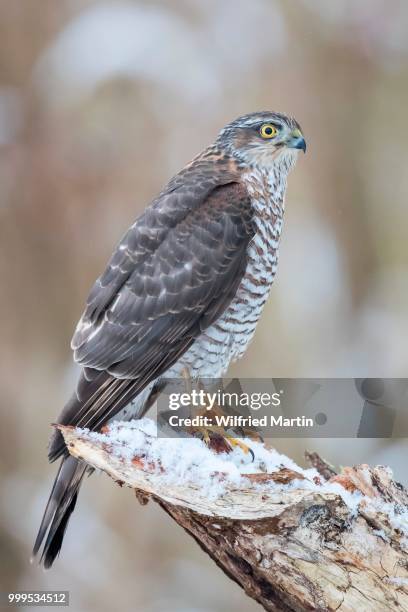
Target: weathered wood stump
<point>292,539</point>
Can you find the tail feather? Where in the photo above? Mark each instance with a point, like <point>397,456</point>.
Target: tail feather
<point>59,508</point>
<point>98,397</point>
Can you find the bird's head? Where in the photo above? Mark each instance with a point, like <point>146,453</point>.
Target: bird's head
<point>262,139</point>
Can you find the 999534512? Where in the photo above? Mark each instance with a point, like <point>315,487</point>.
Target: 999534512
<point>34,598</point>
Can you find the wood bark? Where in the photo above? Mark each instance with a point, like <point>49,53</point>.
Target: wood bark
<point>295,549</point>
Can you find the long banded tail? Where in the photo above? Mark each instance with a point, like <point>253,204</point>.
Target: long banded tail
<point>97,399</point>
<point>60,506</point>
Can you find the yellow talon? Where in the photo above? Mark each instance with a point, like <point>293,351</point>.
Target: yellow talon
<point>205,435</point>
<point>244,447</point>
<point>215,437</point>
<point>218,440</point>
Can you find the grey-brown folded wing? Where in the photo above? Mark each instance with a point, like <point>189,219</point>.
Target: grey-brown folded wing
<point>175,291</point>
<point>172,276</point>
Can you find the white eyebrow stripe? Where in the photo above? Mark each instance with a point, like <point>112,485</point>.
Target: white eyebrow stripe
<point>252,121</point>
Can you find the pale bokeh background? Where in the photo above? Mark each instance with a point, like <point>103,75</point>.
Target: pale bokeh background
<point>100,103</point>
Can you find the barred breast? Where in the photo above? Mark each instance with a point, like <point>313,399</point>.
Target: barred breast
<point>227,339</point>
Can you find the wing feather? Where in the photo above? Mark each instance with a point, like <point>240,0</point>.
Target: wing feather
<point>173,274</point>
<point>169,297</point>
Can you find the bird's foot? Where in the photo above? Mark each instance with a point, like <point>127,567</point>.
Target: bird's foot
<point>218,440</point>
<point>216,437</point>
<point>234,442</point>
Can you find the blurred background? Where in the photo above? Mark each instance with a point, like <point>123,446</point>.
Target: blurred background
<point>100,103</point>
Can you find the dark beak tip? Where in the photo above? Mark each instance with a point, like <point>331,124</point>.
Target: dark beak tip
<point>301,144</point>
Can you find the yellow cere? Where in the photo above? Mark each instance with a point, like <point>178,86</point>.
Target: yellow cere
<point>297,134</point>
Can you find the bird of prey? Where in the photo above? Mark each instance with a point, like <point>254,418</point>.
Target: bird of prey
<point>184,289</point>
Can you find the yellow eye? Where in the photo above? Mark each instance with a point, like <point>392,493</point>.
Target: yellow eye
<point>268,130</point>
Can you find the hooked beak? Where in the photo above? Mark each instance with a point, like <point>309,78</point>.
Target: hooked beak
<point>296,140</point>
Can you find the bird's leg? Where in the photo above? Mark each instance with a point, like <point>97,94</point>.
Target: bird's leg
<point>216,436</point>
<point>217,439</point>
<point>185,372</point>
<point>245,432</point>
<point>188,383</point>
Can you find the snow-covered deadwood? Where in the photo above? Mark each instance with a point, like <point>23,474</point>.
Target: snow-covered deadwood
<point>293,539</point>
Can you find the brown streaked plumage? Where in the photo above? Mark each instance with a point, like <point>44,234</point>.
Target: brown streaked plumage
<point>184,288</point>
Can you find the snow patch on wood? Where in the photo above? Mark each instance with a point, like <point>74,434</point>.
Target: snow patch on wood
<point>293,538</point>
